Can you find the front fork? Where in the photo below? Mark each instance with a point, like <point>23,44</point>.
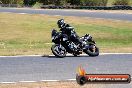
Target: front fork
<point>93,48</point>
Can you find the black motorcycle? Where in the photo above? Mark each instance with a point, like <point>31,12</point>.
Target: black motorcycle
<point>63,45</point>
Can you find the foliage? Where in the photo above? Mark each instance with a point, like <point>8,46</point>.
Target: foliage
<point>37,5</point>
<point>94,2</point>
<point>11,1</point>
<point>121,2</point>
<point>67,2</point>
<point>75,2</point>
<point>29,2</point>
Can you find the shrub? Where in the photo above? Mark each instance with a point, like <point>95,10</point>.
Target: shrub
<point>37,5</point>
<point>29,2</point>
<point>121,2</point>
<point>20,3</point>
<point>94,2</point>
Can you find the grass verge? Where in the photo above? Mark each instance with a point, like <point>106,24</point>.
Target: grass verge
<point>110,2</point>
<point>22,34</point>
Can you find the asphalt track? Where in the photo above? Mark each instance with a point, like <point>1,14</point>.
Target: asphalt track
<point>37,68</point>
<point>105,15</point>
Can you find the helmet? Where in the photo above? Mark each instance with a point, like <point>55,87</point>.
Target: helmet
<point>60,23</point>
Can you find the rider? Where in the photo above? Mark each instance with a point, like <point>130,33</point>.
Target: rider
<point>69,31</point>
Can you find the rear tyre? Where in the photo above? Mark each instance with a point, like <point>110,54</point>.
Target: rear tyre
<point>92,52</point>
<point>58,50</point>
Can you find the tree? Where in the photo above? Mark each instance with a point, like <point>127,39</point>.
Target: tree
<point>5,1</point>
<point>75,2</point>
<point>61,2</point>
<point>45,2</point>
<point>11,1</point>
<point>94,2</point>
<point>29,2</point>
<point>121,2</point>
<point>53,2</point>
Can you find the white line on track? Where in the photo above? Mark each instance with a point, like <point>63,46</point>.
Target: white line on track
<point>27,81</point>
<point>8,82</point>
<point>113,53</point>
<point>39,81</point>
<point>67,55</point>
<point>57,15</point>
<point>14,13</point>
<point>71,79</point>
<point>23,56</point>
<point>22,13</point>
<point>49,80</point>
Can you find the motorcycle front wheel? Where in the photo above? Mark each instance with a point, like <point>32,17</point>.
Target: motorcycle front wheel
<point>58,50</point>
<point>92,51</point>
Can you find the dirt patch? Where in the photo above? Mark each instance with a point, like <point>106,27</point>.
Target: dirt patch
<point>50,85</point>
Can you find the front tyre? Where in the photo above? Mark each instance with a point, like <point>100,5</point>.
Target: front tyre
<point>58,50</point>
<point>92,51</point>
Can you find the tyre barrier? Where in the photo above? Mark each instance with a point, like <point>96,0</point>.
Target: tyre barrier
<point>116,7</point>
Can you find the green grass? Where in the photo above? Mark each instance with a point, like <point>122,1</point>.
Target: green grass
<point>29,34</point>
<point>110,2</point>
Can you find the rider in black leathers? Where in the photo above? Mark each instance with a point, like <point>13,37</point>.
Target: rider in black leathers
<point>69,31</point>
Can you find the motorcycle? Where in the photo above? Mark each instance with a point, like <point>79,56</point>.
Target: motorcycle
<point>63,45</point>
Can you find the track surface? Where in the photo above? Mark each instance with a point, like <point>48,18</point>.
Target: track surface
<point>105,15</point>
<point>36,68</point>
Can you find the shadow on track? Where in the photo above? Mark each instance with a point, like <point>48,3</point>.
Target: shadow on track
<point>64,57</point>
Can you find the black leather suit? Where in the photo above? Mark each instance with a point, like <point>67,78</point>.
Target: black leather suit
<point>69,31</point>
